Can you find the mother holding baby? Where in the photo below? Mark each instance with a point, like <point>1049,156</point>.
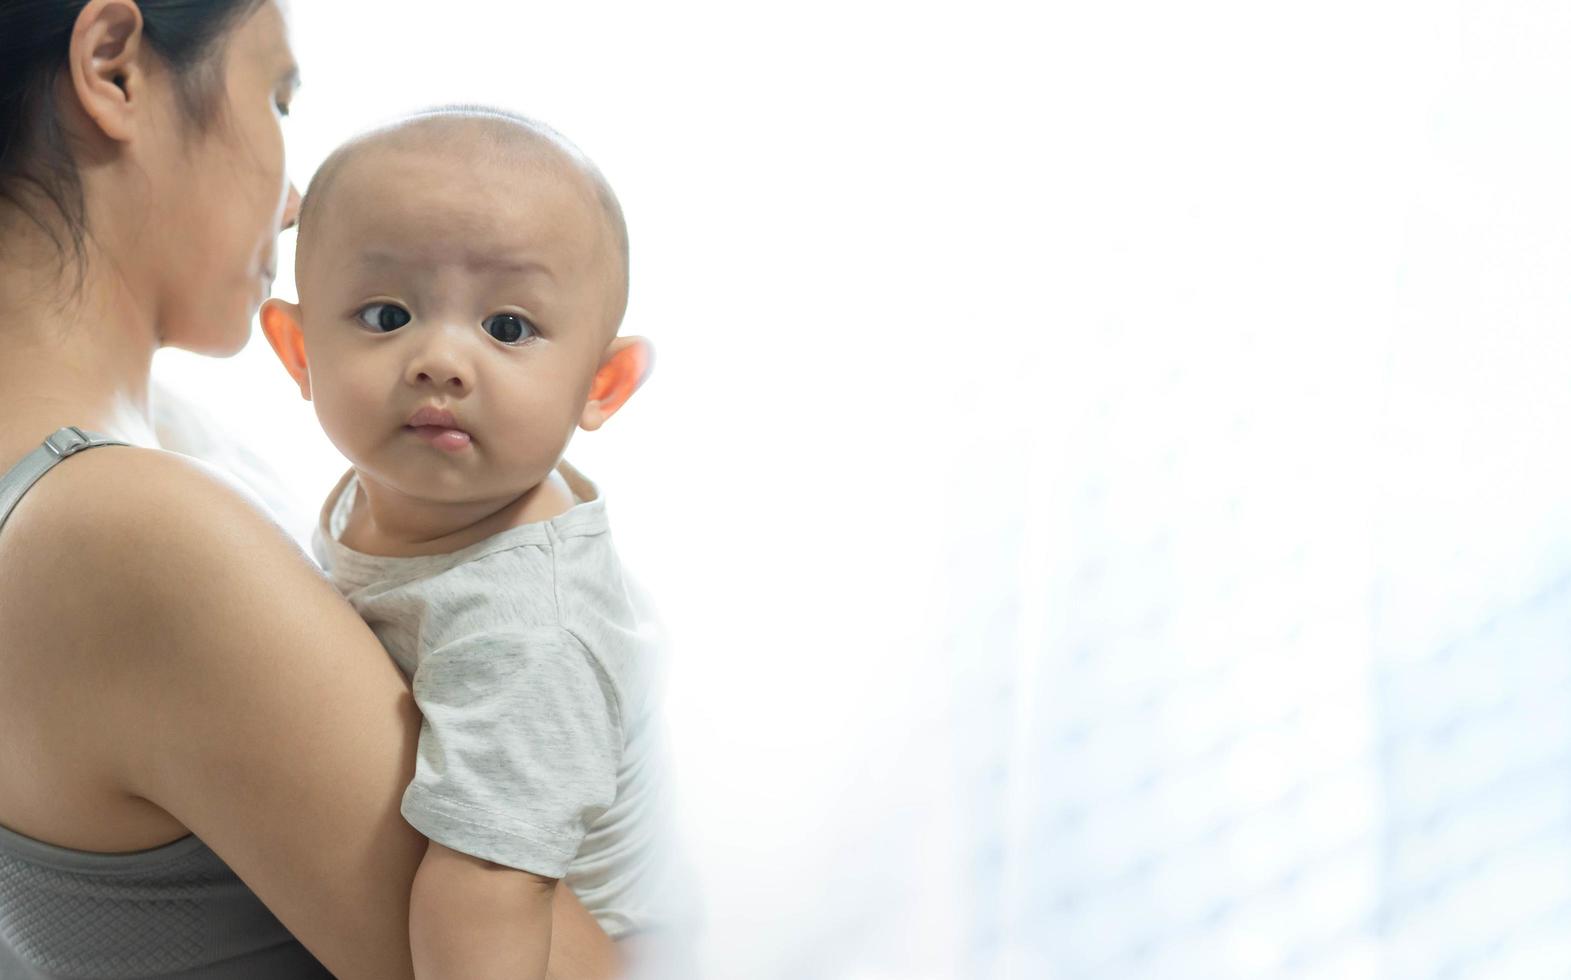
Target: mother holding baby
<point>202,746</point>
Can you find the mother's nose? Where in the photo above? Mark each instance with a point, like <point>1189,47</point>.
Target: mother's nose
<point>292,208</point>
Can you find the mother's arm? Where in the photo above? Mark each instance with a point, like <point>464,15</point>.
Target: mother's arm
<point>263,714</point>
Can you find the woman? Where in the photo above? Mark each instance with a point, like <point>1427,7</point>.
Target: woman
<point>186,705</point>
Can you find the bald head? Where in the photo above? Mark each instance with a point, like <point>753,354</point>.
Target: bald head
<point>492,135</point>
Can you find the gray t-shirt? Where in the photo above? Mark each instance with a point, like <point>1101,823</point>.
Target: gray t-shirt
<point>541,747</point>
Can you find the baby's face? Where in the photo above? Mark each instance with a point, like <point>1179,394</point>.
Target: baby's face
<point>452,282</point>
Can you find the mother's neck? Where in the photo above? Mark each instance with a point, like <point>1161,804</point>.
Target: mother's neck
<point>70,356</point>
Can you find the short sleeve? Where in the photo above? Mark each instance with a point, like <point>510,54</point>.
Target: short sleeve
<point>519,748</point>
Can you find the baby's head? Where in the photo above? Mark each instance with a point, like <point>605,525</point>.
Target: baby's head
<point>464,261</point>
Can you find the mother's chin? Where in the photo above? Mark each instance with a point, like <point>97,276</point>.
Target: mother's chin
<point>226,329</point>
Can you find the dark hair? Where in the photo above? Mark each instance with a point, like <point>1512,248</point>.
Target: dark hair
<point>35,37</point>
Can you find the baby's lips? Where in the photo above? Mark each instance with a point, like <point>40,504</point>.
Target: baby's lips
<point>450,440</point>
<point>432,415</point>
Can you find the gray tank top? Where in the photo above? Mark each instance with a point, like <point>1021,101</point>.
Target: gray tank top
<point>171,911</point>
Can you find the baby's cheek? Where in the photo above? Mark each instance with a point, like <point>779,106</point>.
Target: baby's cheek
<point>351,411</point>
<point>541,433</point>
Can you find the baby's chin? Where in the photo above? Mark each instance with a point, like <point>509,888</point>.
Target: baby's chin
<point>422,479</point>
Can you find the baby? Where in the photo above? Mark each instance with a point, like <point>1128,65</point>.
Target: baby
<point>462,277</point>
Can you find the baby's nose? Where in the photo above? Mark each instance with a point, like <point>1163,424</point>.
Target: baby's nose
<point>439,364</point>
<point>442,379</point>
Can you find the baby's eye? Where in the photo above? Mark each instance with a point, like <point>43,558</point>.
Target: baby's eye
<point>384,317</point>
<point>509,328</point>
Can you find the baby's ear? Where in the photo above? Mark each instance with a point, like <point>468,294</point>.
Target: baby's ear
<point>625,366</point>
<point>281,324</point>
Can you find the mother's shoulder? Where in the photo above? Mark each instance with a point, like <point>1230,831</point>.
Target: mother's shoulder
<point>137,518</point>
<point>132,491</point>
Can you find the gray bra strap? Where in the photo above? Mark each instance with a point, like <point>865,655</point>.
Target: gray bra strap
<point>64,442</point>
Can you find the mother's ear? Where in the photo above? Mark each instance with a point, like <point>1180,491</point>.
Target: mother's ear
<point>105,65</point>
<point>281,325</point>
<point>625,366</point>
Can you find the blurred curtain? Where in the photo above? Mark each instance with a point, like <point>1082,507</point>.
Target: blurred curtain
<point>1263,657</point>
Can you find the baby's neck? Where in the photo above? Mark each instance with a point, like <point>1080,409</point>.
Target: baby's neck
<point>385,522</point>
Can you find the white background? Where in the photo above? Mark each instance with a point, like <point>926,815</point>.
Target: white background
<point>1104,474</point>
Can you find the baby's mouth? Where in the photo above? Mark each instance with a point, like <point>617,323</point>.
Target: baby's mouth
<point>439,427</point>
<point>441,436</point>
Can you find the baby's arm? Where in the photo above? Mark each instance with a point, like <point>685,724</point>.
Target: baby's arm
<point>469,917</point>
<point>518,756</point>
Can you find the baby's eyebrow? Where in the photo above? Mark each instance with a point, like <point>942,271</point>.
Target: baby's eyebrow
<point>497,263</point>
<point>477,261</point>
